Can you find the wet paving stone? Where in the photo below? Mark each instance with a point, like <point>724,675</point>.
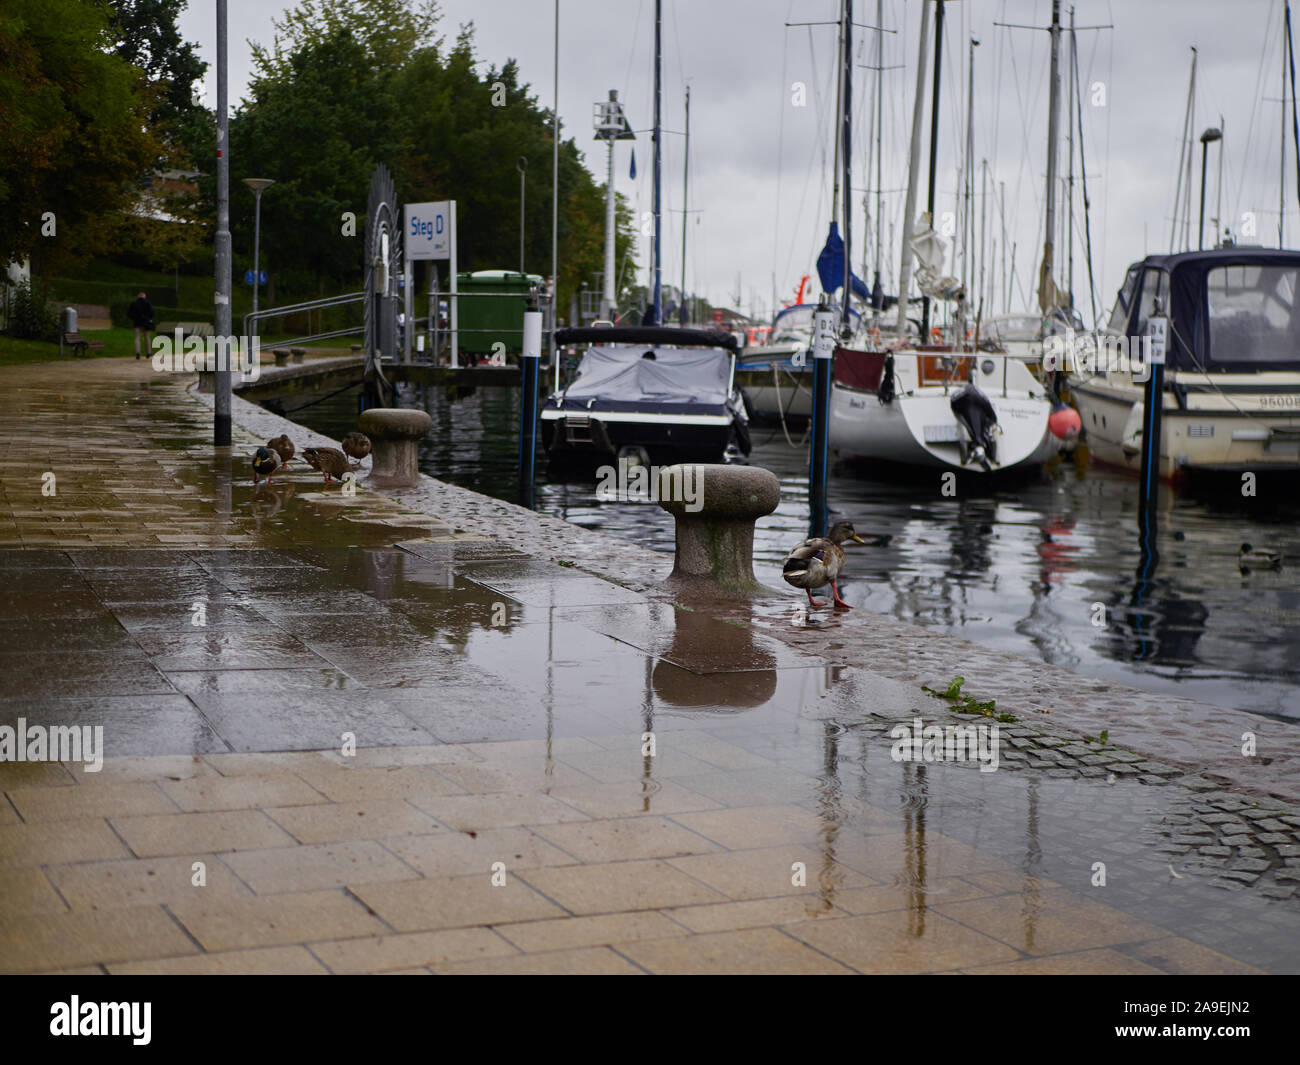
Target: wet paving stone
<point>500,701</point>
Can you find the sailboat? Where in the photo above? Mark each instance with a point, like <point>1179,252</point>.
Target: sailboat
<point>951,405</point>
<point>776,377</point>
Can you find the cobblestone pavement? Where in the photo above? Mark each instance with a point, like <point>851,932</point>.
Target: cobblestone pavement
<point>501,706</point>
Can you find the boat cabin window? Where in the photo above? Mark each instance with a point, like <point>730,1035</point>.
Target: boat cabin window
<point>1253,313</point>
<point>1118,322</point>
<point>1155,286</point>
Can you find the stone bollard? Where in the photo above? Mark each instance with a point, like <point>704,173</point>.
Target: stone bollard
<point>356,350</point>
<point>716,507</point>
<point>395,436</point>
<point>281,356</point>
<point>298,354</point>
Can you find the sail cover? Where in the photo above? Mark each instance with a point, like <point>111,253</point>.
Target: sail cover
<point>830,266</point>
<point>628,375</point>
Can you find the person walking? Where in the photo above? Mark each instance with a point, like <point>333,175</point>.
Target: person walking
<point>141,314</point>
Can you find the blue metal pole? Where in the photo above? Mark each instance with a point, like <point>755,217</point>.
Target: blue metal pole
<point>823,355</point>
<point>1152,412</point>
<point>529,361</point>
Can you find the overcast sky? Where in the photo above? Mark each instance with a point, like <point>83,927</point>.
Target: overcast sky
<point>761,166</point>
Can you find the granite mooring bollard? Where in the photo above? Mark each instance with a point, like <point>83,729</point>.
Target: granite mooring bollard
<point>298,354</point>
<point>715,507</point>
<point>395,437</point>
<point>281,356</point>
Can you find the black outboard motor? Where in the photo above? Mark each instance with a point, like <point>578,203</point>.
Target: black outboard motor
<point>972,408</point>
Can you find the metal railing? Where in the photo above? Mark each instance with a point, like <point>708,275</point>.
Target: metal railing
<point>309,305</point>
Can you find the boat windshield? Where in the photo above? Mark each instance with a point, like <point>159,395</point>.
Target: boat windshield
<point>1253,314</point>
<point>1118,323</point>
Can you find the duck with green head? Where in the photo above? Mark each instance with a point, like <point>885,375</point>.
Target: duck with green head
<point>265,462</point>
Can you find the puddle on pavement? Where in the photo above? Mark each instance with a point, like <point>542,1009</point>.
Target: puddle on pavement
<point>453,645</point>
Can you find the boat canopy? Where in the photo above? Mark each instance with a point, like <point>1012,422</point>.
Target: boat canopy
<point>1231,310</point>
<point>624,378</point>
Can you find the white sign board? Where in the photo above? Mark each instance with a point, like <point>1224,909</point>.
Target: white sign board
<point>1157,339</point>
<point>429,233</point>
<point>427,230</point>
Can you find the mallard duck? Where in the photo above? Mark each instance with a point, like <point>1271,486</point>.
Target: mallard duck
<point>1258,557</point>
<point>817,562</point>
<point>265,462</point>
<point>356,446</point>
<point>329,460</point>
<point>283,447</point>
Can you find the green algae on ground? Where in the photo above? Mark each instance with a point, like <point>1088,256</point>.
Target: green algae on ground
<point>967,704</point>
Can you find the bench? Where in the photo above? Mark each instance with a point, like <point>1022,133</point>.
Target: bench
<point>80,345</point>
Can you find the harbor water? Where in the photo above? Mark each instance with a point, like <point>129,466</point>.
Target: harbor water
<point>1046,567</point>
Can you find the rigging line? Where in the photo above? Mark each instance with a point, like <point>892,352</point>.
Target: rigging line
<point>1083,173</point>
<point>780,141</point>
<point>1254,108</point>
<point>819,145</point>
<point>1295,120</point>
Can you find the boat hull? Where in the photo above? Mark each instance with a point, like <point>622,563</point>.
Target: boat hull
<point>1217,432</point>
<point>600,436</point>
<point>918,428</point>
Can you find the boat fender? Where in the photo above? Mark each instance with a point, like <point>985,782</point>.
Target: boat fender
<point>741,427</point>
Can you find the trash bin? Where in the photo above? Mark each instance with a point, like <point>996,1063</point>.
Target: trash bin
<point>502,318</point>
<point>69,319</point>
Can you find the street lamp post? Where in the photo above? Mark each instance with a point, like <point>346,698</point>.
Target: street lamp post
<point>257,184</point>
<point>1207,138</point>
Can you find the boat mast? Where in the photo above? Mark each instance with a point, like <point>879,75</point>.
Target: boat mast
<point>913,167</point>
<point>968,217</point>
<point>1069,168</point>
<point>880,73</point>
<point>846,157</point>
<point>1184,151</point>
<point>1046,296</point>
<point>658,285</point>
<point>686,170</point>
<point>934,147</point>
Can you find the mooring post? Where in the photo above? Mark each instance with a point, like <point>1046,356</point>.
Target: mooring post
<point>715,507</point>
<point>1153,410</point>
<point>823,357</point>
<point>529,360</point>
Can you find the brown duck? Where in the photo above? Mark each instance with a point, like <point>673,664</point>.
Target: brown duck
<point>356,446</point>
<point>283,447</point>
<point>817,562</point>
<point>329,460</point>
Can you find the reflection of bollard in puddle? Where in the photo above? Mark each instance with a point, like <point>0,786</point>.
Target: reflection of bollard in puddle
<point>713,665</point>
<point>715,524</point>
<point>395,436</point>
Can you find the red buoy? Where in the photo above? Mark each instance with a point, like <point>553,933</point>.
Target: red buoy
<point>1064,422</point>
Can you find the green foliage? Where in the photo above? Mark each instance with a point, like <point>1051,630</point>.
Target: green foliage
<point>147,37</point>
<point>30,316</point>
<point>966,704</point>
<point>348,84</point>
<point>73,137</point>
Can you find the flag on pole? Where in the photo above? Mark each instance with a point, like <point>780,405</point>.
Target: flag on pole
<point>632,174</point>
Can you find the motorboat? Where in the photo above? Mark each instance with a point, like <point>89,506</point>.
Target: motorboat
<point>651,394</point>
<point>1231,399</point>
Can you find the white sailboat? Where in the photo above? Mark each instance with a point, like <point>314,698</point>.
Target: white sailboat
<point>949,406</point>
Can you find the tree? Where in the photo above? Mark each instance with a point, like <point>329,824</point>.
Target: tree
<point>349,84</point>
<point>147,37</point>
<point>73,137</point>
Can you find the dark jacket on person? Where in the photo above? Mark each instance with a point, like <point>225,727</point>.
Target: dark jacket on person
<point>141,313</point>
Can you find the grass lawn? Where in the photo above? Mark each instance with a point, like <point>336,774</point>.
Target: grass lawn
<point>117,342</point>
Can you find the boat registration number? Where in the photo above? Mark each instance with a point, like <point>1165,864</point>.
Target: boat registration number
<point>941,434</point>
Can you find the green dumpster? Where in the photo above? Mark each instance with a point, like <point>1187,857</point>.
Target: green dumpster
<point>486,304</point>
